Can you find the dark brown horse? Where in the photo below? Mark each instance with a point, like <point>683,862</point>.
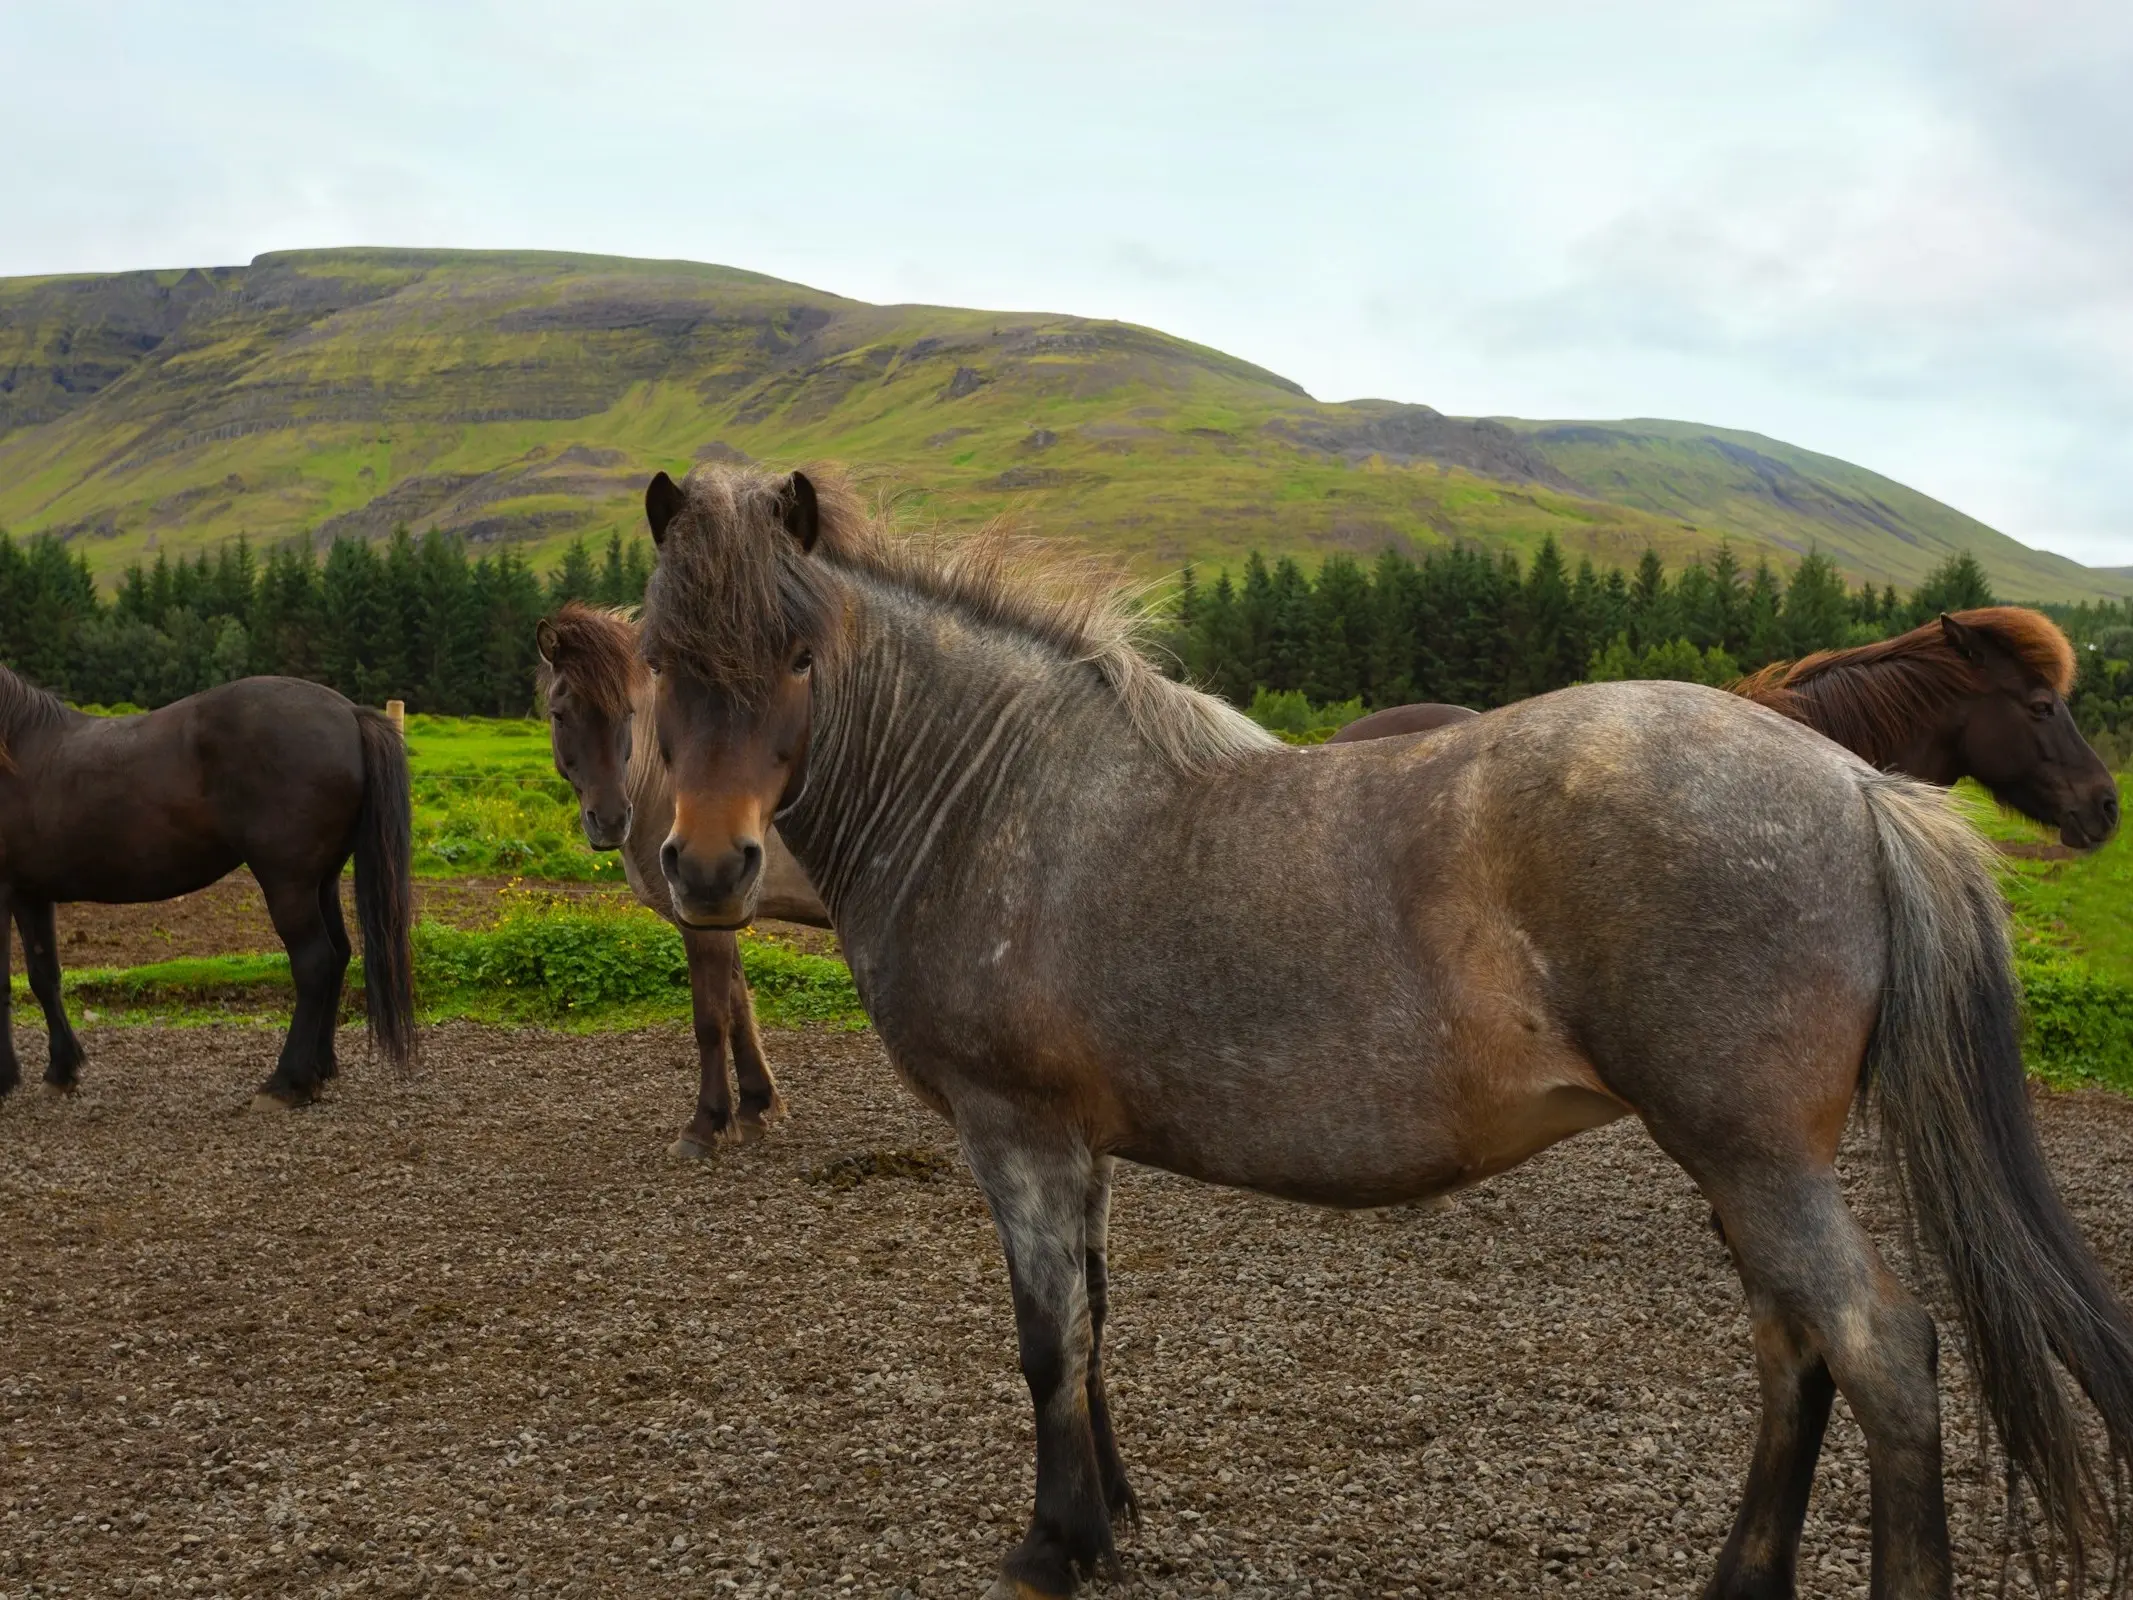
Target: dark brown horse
<point>1980,694</point>
<point>279,775</point>
<point>1069,890</point>
<point>595,686</point>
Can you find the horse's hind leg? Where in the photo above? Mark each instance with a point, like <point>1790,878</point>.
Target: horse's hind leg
<point>713,958</point>
<point>1758,1560</point>
<point>1119,1498</point>
<point>1823,1297</point>
<point>318,965</point>
<point>329,908</point>
<point>761,1104</point>
<point>10,1067</point>
<point>1038,1188</point>
<point>40,954</point>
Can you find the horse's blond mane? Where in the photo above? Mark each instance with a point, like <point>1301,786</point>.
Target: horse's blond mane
<point>733,592</point>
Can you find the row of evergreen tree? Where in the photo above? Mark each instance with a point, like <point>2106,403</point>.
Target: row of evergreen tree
<point>1482,630</point>
<point>413,619</point>
<point>425,620</point>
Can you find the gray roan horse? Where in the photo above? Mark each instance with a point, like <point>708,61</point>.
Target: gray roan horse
<point>1069,892</point>
<point>595,685</point>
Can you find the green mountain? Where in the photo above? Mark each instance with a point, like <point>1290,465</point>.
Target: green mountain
<point>525,397</point>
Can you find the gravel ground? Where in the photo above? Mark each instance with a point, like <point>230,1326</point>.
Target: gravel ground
<point>230,917</point>
<point>474,1330</point>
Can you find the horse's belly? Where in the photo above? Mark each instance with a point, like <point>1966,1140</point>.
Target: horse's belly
<point>104,880</point>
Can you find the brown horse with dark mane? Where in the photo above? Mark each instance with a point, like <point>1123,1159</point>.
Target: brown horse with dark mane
<point>595,685</point>
<point>283,776</point>
<point>1069,891</point>
<point>1980,694</point>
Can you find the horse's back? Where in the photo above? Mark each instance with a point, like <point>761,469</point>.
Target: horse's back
<point>1425,717</point>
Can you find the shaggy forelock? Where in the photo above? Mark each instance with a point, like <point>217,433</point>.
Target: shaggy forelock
<point>595,654</point>
<point>733,593</point>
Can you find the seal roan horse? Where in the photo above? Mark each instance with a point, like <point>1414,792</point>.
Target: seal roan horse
<point>1068,891</point>
<point>596,686</point>
<point>277,774</point>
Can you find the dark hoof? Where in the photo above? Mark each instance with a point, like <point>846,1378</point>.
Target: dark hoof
<point>60,1086</point>
<point>283,1097</point>
<point>1046,1564</point>
<point>1006,1588</point>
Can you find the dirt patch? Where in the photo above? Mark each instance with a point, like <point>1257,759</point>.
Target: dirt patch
<point>230,918</point>
<point>473,1329</point>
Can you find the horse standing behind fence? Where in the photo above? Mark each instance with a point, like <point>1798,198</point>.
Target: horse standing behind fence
<point>1070,891</point>
<point>283,776</point>
<point>596,686</point>
<point>1980,694</point>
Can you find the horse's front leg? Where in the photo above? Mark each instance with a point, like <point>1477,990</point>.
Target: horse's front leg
<point>1037,1182</point>
<point>761,1104</point>
<point>10,1068</point>
<point>713,959</point>
<point>1119,1497</point>
<point>40,954</point>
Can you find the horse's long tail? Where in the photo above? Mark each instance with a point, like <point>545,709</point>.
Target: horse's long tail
<point>1945,1066</point>
<point>384,849</point>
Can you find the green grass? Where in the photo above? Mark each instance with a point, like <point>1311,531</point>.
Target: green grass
<point>580,968</point>
<point>2073,950</point>
<point>508,368</point>
<point>489,803</point>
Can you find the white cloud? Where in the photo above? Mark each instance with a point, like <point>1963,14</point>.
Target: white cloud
<point>1895,233</point>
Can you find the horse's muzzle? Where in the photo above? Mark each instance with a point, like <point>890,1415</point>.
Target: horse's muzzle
<point>2091,825</point>
<point>719,893</point>
<point>605,832</point>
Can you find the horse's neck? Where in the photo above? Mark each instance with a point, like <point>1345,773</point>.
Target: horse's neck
<point>1924,743</point>
<point>933,731</point>
<point>27,714</point>
<point>651,798</point>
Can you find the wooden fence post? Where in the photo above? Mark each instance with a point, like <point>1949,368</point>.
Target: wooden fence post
<point>396,711</point>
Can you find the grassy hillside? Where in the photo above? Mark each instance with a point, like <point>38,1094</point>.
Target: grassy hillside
<point>524,397</point>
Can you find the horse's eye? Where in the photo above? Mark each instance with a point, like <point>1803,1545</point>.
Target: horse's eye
<point>2041,711</point>
<point>803,662</point>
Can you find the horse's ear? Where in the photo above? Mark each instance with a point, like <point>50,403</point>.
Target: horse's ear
<point>544,640</point>
<point>1963,640</point>
<point>663,497</point>
<point>802,512</point>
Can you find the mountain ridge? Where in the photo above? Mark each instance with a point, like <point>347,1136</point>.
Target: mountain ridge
<point>522,397</point>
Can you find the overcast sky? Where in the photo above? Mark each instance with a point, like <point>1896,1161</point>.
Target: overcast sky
<point>1899,233</point>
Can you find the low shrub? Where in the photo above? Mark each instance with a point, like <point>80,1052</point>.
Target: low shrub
<point>594,966</point>
<point>2079,1021</point>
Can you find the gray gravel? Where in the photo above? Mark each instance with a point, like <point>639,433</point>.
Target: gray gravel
<point>476,1330</point>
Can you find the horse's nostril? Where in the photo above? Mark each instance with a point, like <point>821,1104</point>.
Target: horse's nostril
<point>669,858</point>
<point>751,858</point>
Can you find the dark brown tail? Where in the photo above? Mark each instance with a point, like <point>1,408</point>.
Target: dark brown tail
<point>385,896</point>
<point>1945,1068</point>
